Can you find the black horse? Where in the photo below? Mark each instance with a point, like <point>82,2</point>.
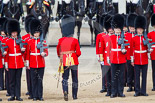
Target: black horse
<point>40,12</point>
<point>96,11</point>
<point>13,10</point>
<point>79,6</point>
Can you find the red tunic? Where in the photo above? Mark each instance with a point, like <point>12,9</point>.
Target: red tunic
<point>117,57</point>
<point>151,36</point>
<point>105,49</point>
<point>4,39</point>
<point>26,39</point>
<point>128,37</point>
<point>69,44</point>
<point>33,55</point>
<point>14,58</point>
<point>98,42</point>
<point>138,51</point>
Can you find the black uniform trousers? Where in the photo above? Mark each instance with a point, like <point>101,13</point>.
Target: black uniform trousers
<point>37,82</point>
<point>65,76</point>
<point>106,75</point>
<point>138,70</point>
<point>15,82</point>
<point>153,72</point>
<point>103,78</point>
<point>2,78</point>
<point>130,71</point>
<point>7,81</point>
<point>29,83</point>
<point>117,78</point>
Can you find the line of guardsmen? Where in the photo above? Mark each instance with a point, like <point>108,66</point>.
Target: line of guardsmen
<point>110,53</point>
<point>114,58</point>
<point>17,54</point>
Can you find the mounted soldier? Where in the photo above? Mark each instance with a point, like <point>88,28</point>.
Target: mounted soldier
<point>12,9</point>
<point>47,3</point>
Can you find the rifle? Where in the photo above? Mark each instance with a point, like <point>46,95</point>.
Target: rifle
<point>19,41</point>
<point>40,45</point>
<point>3,47</point>
<point>146,41</point>
<point>121,41</point>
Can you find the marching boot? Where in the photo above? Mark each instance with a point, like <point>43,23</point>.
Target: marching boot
<point>121,95</point>
<point>65,96</point>
<point>108,94</point>
<point>11,99</point>
<point>41,99</point>
<point>144,94</point>
<point>27,93</point>
<point>136,94</point>
<point>19,99</point>
<point>103,90</point>
<point>153,89</point>
<point>7,94</point>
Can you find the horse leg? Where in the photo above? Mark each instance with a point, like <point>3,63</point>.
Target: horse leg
<point>91,30</point>
<point>79,24</point>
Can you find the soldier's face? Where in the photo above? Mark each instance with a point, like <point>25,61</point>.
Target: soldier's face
<point>111,31</point>
<point>3,33</point>
<point>117,30</point>
<point>14,34</point>
<point>140,30</point>
<point>125,29</point>
<point>36,34</point>
<point>132,29</point>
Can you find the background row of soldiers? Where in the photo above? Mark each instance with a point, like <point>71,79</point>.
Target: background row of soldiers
<point>16,51</point>
<point>122,44</point>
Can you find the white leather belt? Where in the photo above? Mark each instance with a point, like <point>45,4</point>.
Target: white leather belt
<point>143,51</point>
<point>34,53</point>
<point>17,54</point>
<point>115,49</point>
<point>153,46</point>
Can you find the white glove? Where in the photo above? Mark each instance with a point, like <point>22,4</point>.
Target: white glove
<point>102,63</point>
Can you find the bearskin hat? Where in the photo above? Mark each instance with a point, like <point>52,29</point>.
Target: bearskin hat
<point>27,22</point>
<point>140,22</point>
<point>107,22</point>
<point>67,25</point>
<point>131,20</point>
<point>153,20</point>
<point>13,26</point>
<point>125,19</point>
<point>118,21</point>
<point>2,21</point>
<point>35,26</point>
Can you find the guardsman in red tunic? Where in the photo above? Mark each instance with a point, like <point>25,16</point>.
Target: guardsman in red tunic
<point>98,48</point>
<point>117,58</point>
<point>151,36</point>
<point>68,50</point>
<point>26,38</point>
<point>128,36</point>
<point>35,59</point>
<point>139,57</point>
<point>105,52</point>
<point>14,59</point>
<point>4,39</point>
